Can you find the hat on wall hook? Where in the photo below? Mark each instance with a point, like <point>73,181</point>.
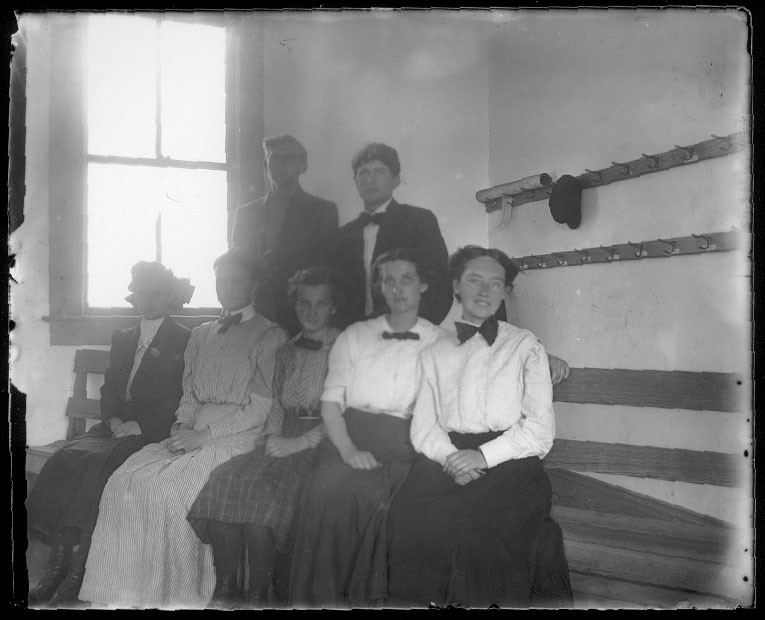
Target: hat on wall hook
<point>566,201</point>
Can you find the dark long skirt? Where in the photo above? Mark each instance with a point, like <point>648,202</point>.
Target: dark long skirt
<point>256,488</point>
<point>340,554</point>
<point>489,542</point>
<point>68,489</point>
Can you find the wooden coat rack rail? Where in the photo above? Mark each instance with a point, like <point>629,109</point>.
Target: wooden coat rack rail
<point>646,164</point>
<point>656,248</point>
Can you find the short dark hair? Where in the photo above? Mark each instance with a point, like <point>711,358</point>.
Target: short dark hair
<point>270,143</point>
<point>421,263</point>
<point>238,256</point>
<point>316,276</point>
<point>459,260</point>
<point>377,151</point>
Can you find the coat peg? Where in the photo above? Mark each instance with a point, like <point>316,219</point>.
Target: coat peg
<point>654,158</point>
<point>708,241</point>
<point>672,243</point>
<point>561,259</point>
<point>610,251</point>
<point>600,176</point>
<point>639,247</point>
<point>625,168</point>
<point>727,141</point>
<point>585,255</point>
<point>688,151</point>
<point>540,262</point>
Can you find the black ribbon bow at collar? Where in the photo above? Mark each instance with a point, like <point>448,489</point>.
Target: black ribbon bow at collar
<point>308,343</point>
<point>227,320</point>
<point>400,336</point>
<point>488,329</point>
<point>371,218</point>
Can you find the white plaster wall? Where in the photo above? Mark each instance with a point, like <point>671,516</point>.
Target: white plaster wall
<point>570,90</point>
<point>416,81</point>
<point>42,372</point>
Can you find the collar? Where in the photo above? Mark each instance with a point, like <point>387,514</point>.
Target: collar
<point>247,312</point>
<point>149,327</point>
<point>383,208</point>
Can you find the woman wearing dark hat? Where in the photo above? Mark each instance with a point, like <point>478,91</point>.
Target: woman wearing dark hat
<point>340,552</point>
<point>140,394</point>
<point>471,526</point>
<point>144,552</point>
<point>249,502</point>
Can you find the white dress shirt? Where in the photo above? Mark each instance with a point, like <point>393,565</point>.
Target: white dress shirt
<point>148,329</point>
<point>370,373</point>
<point>370,239</point>
<point>476,388</point>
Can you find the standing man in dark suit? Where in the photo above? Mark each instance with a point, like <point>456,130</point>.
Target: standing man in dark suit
<point>286,230</point>
<point>139,397</point>
<point>383,225</point>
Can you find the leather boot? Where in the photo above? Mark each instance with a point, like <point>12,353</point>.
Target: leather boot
<point>257,598</point>
<point>55,571</point>
<point>226,593</point>
<point>67,593</point>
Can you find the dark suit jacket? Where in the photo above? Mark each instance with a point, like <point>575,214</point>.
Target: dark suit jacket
<point>156,389</point>
<point>404,226</point>
<point>307,226</point>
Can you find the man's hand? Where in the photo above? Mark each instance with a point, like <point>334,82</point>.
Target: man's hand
<point>360,459</point>
<point>126,428</point>
<point>184,440</point>
<point>461,462</point>
<point>559,369</point>
<point>284,446</point>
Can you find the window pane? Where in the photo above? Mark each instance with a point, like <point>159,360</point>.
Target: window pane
<point>122,60</point>
<point>193,92</point>
<point>194,228</point>
<point>124,203</point>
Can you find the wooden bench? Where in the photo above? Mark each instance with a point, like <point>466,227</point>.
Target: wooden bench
<point>79,408</point>
<point>628,550</point>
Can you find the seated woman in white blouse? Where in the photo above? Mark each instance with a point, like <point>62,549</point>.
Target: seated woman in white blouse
<point>471,526</point>
<point>340,552</point>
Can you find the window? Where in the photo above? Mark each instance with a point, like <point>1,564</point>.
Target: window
<point>156,153</point>
<point>144,177</point>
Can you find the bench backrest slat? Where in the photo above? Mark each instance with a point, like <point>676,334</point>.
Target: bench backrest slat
<point>79,407</point>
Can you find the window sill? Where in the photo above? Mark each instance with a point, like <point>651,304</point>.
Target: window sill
<point>98,330</point>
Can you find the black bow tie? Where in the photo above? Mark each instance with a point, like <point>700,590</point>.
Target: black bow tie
<point>371,218</point>
<point>400,336</point>
<point>227,320</point>
<point>308,343</point>
<point>488,330</point>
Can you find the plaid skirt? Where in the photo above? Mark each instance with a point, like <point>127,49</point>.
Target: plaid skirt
<point>255,488</point>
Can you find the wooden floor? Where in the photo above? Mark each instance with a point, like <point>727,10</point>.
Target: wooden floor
<point>626,550</point>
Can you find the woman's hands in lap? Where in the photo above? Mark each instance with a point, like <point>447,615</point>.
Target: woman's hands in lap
<point>127,428</point>
<point>185,440</point>
<point>360,459</point>
<point>284,446</point>
<point>462,462</point>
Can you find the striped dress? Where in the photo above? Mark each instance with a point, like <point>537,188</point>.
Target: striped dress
<point>144,552</point>
<point>264,490</point>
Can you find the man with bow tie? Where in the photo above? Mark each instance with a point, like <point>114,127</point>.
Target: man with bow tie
<point>384,225</point>
<point>285,231</point>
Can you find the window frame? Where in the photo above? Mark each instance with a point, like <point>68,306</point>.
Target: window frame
<point>71,321</point>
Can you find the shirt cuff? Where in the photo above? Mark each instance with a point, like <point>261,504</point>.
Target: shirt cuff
<point>495,451</point>
<point>219,428</point>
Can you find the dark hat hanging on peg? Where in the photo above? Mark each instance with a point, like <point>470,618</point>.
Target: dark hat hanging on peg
<point>566,201</point>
